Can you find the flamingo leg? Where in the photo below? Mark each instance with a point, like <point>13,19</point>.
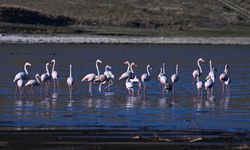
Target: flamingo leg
<point>144,88</point>
<point>90,88</point>
<point>54,85</point>
<point>132,92</point>
<point>58,87</point>
<point>222,87</point>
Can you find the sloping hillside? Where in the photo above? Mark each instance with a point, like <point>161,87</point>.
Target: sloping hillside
<point>81,16</point>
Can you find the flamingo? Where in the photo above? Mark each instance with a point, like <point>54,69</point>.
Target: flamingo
<point>20,84</point>
<point>70,80</point>
<point>129,86</point>
<point>103,78</point>
<point>198,73</point>
<point>91,76</point>
<point>224,78</point>
<point>45,77</point>
<point>31,83</point>
<point>162,79</point>
<point>146,77</point>
<point>175,77</point>
<point>109,76</point>
<point>126,74</point>
<point>54,74</point>
<point>208,86</point>
<point>23,75</point>
<point>199,86</point>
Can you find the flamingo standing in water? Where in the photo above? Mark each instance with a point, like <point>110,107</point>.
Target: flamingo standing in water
<point>91,76</point>
<point>224,79</point>
<point>175,77</point>
<point>198,72</point>
<point>162,78</point>
<point>20,77</point>
<point>109,76</point>
<point>20,84</point>
<point>70,80</point>
<point>54,74</point>
<point>103,78</point>
<point>129,86</point>
<point>146,77</point>
<point>211,73</point>
<point>208,86</point>
<point>45,77</point>
<point>31,83</point>
<point>128,73</point>
<point>199,86</point>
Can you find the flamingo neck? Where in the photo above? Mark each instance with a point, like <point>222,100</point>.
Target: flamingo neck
<point>177,69</point>
<point>198,63</point>
<point>160,74</point>
<point>37,79</point>
<point>97,68</point>
<point>53,67</point>
<point>70,71</point>
<point>25,69</point>
<point>47,69</point>
<point>129,66</point>
<point>148,70</point>
<point>210,64</point>
<point>163,70</point>
<point>225,70</point>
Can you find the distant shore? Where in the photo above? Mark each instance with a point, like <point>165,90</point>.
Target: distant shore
<point>103,39</point>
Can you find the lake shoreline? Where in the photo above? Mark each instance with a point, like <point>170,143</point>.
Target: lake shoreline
<point>108,39</point>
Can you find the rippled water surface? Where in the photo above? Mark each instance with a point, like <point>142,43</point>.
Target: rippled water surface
<point>184,111</point>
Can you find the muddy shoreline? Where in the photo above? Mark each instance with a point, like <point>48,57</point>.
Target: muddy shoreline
<point>103,39</point>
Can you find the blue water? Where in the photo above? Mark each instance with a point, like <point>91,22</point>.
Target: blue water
<point>184,111</point>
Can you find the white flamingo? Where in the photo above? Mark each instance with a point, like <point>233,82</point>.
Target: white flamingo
<point>54,74</point>
<point>146,77</point>
<point>224,78</point>
<point>128,73</point>
<point>91,76</point>
<point>199,86</point>
<point>208,86</point>
<point>20,84</point>
<point>198,72</point>
<point>45,77</point>
<point>32,83</point>
<point>175,77</point>
<point>110,76</point>
<point>70,80</point>
<point>23,75</point>
<point>129,86</point>
<point>162,79</point>
<point>103,78</point>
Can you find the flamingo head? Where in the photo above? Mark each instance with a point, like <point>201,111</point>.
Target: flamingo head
<point>177,66</point>
<point>133,64</point>
<point>37,75</point>
<point>53,60</point>
<point>201,60</point>
<point>98,61</point>
<point>27,64</point>
<point>126,62</point>
<point>208,78</point>
<point>150,67</point>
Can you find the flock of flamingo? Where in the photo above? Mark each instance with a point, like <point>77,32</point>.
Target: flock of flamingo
<point>22,79</point>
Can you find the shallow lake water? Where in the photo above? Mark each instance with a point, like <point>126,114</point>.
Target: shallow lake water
<point>184,111</point>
